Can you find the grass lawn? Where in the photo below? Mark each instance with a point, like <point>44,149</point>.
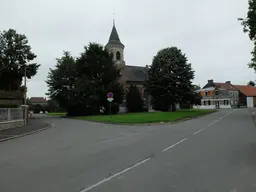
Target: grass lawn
<point>153,117</point>
<point>57,114</point>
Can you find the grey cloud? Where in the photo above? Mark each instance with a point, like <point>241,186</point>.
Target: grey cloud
<point>207,31</point>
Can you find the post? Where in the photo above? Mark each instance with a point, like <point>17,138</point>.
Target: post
<point>25,96</point>
<point>110,110</point>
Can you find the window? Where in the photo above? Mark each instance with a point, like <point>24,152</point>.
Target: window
<point>118,55</point>
<point>216,92</point>
<point>226,102</point>
<point>209,102</point>
<point>204,102</point>
<point>206,93</point>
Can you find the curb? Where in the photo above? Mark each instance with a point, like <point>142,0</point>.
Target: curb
<point>29,133</point>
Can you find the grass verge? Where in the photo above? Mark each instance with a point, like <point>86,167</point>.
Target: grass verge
<point>150,117</point>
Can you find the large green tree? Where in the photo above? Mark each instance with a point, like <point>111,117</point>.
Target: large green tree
<point>15,54</point>
<point>170,79</point>
<point>249,26</point>
<point>80,86</point>
<point>95,66</point>
<point>61,82</point>
<point>134,102</point>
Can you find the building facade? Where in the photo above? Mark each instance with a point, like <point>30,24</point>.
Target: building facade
<point>219,95</point>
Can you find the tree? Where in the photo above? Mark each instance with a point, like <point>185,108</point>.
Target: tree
<point>249,26</point>
<point>52,106</point>
<point>61,82</point>
<point>37,108</point>
<point>15,54</point>
<point>251,83</point>
<point>134,102</point>
<point>80,86</point>
<point>169,79</point>
<point>99,75</point>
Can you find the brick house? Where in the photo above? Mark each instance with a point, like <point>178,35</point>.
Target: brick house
<point>247,95</point>
<point>38,100</point>
<point>219,95</point>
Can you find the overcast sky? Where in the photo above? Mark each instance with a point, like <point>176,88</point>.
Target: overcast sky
<point>206,30</point>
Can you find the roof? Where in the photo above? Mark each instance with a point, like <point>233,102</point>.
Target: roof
<point>135,73</point>
<point>247,90</point>
<point>37,100</point>
<point>208,89</point>
<point>114,38</point>
<point>227,86</point>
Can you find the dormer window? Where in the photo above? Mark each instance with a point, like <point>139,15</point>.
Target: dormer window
<point>118,55</point>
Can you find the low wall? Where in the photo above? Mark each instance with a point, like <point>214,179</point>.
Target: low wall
<point>211,107</point>
<point>11,124</point>
<point>11,118</point>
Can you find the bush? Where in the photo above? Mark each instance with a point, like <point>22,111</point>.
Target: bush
<point>37,108</point>
<point>114,109</point>
<point>134,102</point>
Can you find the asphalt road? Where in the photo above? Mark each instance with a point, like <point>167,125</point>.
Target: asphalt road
<point>214,153</point>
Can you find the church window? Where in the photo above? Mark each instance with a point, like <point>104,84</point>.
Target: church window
<point>118,55</point>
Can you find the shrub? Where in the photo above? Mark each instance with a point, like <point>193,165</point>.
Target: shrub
<point>134,102</point>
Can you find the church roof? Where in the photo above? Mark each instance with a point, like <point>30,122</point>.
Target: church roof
<point>135,73</point>
<point>114,38</point>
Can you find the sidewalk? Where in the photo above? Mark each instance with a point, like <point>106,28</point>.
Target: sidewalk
<point>33,125</point>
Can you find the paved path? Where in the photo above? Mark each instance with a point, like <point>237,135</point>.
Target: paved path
<point>212,153</point>
<point>34,125</point>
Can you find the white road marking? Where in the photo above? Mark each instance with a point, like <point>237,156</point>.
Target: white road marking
<point>174,145</point>
<point>198,131</point>
<point>213,123</point>
<point>115,175</point>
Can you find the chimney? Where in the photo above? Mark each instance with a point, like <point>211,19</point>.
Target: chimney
<point>210,81</point>
<point>229,82</point>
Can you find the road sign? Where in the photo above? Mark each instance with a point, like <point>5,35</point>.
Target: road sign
<point>110,99</point>
<point>110,95</point>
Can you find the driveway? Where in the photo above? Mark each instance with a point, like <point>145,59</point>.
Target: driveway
<point>212,153</point>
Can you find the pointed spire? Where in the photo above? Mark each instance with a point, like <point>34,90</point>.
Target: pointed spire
<point>114,38</point>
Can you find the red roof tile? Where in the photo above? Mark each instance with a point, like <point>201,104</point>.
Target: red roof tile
<point>247,90</point>
<point>227,86</point>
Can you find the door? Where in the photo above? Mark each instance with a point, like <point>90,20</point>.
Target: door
<point>217,104</point>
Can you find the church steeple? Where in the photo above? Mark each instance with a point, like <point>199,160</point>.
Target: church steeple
<point>114,37</point>
<point>115,46</point>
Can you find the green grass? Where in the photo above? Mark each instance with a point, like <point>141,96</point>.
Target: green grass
<point>141,118</point>
<point>57,114</point>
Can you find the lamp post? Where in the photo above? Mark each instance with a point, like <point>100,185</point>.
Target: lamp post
<point>25,84</point>
<point>25,96</point>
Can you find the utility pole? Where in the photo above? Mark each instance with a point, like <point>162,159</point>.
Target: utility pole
<point>25,96</point>
<point>25,84</point>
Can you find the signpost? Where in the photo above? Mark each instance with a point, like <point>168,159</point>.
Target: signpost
<point>110,98</point>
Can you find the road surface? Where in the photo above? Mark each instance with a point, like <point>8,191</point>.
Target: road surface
<point>208,154</point>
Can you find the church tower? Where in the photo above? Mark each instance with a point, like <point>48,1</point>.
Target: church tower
<point>115,46</point>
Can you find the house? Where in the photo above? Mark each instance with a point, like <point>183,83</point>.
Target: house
<point>247,96</point>
<point>131,75</point>
<point>219,95</point>
<point>38,100</point>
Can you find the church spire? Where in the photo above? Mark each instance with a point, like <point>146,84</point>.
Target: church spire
<point>114,38</point>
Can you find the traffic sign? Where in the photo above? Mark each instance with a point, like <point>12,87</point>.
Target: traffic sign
<point>110,99</point>
<point>110,95</point>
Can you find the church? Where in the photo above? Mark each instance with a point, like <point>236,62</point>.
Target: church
<point>131,75</point>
